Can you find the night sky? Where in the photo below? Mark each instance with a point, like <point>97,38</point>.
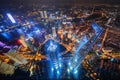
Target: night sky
<point>2,2</point>
<point>5,4</point>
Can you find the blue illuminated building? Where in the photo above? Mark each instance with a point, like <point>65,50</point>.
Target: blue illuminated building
<point>11,18</point>
<point>84,47</point>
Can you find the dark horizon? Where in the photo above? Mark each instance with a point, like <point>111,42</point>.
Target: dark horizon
<point>25,2</point>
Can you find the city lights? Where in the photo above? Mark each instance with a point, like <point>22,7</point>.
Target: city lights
<point>11,18</point>
<point>76,72</point>
<point>56,67</point>
<point>58,72</point>
<point>0,30</point>
<point>52,46</point>
<point>68,70</point>
<point>57,41</point>
<point>69,63</point>
<point>71,67</point>
<point>75,60</point>
<point>60,65</point>
<point>37,31</point>
<point>52,69</point>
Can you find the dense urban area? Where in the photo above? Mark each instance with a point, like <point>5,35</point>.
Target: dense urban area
<point>61,41</point>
